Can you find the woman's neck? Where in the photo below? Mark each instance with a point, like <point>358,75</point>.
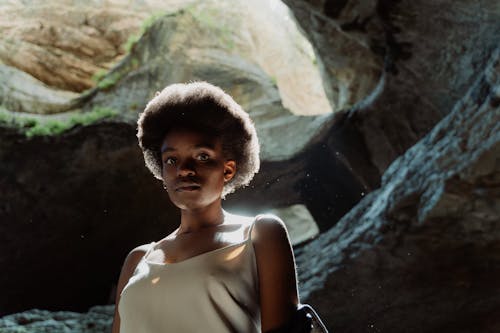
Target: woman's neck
<point>193,220</point>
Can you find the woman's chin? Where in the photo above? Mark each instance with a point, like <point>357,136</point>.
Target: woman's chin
<point>191,200</point>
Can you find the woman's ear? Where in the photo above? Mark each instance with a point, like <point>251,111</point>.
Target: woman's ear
<point>229,170</point>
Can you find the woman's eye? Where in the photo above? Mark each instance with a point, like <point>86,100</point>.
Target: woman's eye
<point>203,157</point>
<point>169,161</point>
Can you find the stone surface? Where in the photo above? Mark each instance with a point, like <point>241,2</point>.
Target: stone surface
<point>170,52</point>
<point>400,65</point>
<point>414,255</point>
<point>299,223</point>
<point>65,203</point>
<point>97,320</point>
<point>212,40</point>
<point>63,48</point>
<point>59,192</point>
<point>421,254</point>
<point>20,92</point>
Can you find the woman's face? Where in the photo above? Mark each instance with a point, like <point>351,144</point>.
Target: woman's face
<point>194,169</point>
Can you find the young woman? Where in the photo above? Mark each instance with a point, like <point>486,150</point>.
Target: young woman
<point>217,272</point>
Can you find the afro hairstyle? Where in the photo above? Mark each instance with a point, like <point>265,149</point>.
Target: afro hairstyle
<point>205,108</point>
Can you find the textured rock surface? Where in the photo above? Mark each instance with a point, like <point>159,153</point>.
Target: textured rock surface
<point>299,223</point>
<point>421,254</point>
<point>64,47</point>
<point>89,185</point>
<point>169,52</point>
<point>97,320</point>
<point>65,201</point>
<point>416,254</point>
<point>402,64</point>
<point>20,92</point>
<point>214,39</point>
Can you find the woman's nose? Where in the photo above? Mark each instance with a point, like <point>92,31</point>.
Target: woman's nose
<point>186,168</point>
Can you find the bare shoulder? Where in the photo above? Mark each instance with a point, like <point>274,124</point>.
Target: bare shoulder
<point>131,261</point>
<point>276,270</point>
<point>269,226</point>
<point>135,255</point>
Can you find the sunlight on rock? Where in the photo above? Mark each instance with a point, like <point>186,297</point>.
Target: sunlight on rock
<point>299,223</point>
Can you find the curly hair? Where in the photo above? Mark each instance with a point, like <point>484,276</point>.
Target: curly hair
<point>202,107</point>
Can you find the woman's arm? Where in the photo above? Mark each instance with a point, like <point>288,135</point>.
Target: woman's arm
<point>128,268</point>
<point>277,275</point>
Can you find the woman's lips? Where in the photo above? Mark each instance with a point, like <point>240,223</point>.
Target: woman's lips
<point>187,188</point>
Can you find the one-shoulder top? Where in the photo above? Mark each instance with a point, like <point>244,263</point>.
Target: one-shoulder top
<point>216,291</point>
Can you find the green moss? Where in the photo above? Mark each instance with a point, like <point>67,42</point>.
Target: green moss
<point>110,80</point>
<point>99,75</point>
<point>135,63</point>
<point>96,114</point>
<point>131,41</point>
<point>274,81</point>
<point>34,127</point>
<point>105,80</point>
<point>4,118</point>
<point>12,121</point>
<point>51,127</point>
<point>146,24</point>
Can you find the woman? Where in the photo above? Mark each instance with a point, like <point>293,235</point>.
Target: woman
<point>217,272</point>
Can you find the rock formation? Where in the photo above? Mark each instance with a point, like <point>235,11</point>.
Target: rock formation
<point>402,65</point>
<point>64,47</point>
<point>420,254</point>
<point>417,254</point>
<point>85,181</point>
<point>57,205</point>
<point>97,320</point>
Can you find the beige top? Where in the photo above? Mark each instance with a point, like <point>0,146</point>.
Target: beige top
<point>216,291</point>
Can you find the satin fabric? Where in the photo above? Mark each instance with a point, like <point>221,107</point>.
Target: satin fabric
<point>215,291</point>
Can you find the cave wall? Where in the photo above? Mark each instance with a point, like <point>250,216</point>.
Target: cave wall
<point>410,61</point>
<point>418,250</point>
<point>65,201</point>
<point>421,253</point>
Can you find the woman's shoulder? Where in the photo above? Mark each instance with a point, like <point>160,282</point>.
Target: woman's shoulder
<point>129,265</point>
<point>136,254</point>
<point>259,219</point>
<point>269,220</point>
<point>269,223</point>
<point>269,227</point>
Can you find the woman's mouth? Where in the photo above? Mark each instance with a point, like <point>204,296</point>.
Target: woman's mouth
<point>187,188</point>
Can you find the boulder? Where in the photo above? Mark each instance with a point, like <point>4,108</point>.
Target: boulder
<point>421,253</point>
<point>299,223</point>
<point>98,319</point>
<point>63,48</point>
<point>20,92</point>
<point>66,201</point>
<point>91,181</point>
<point>413,254</point>
<point>397,66</point>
